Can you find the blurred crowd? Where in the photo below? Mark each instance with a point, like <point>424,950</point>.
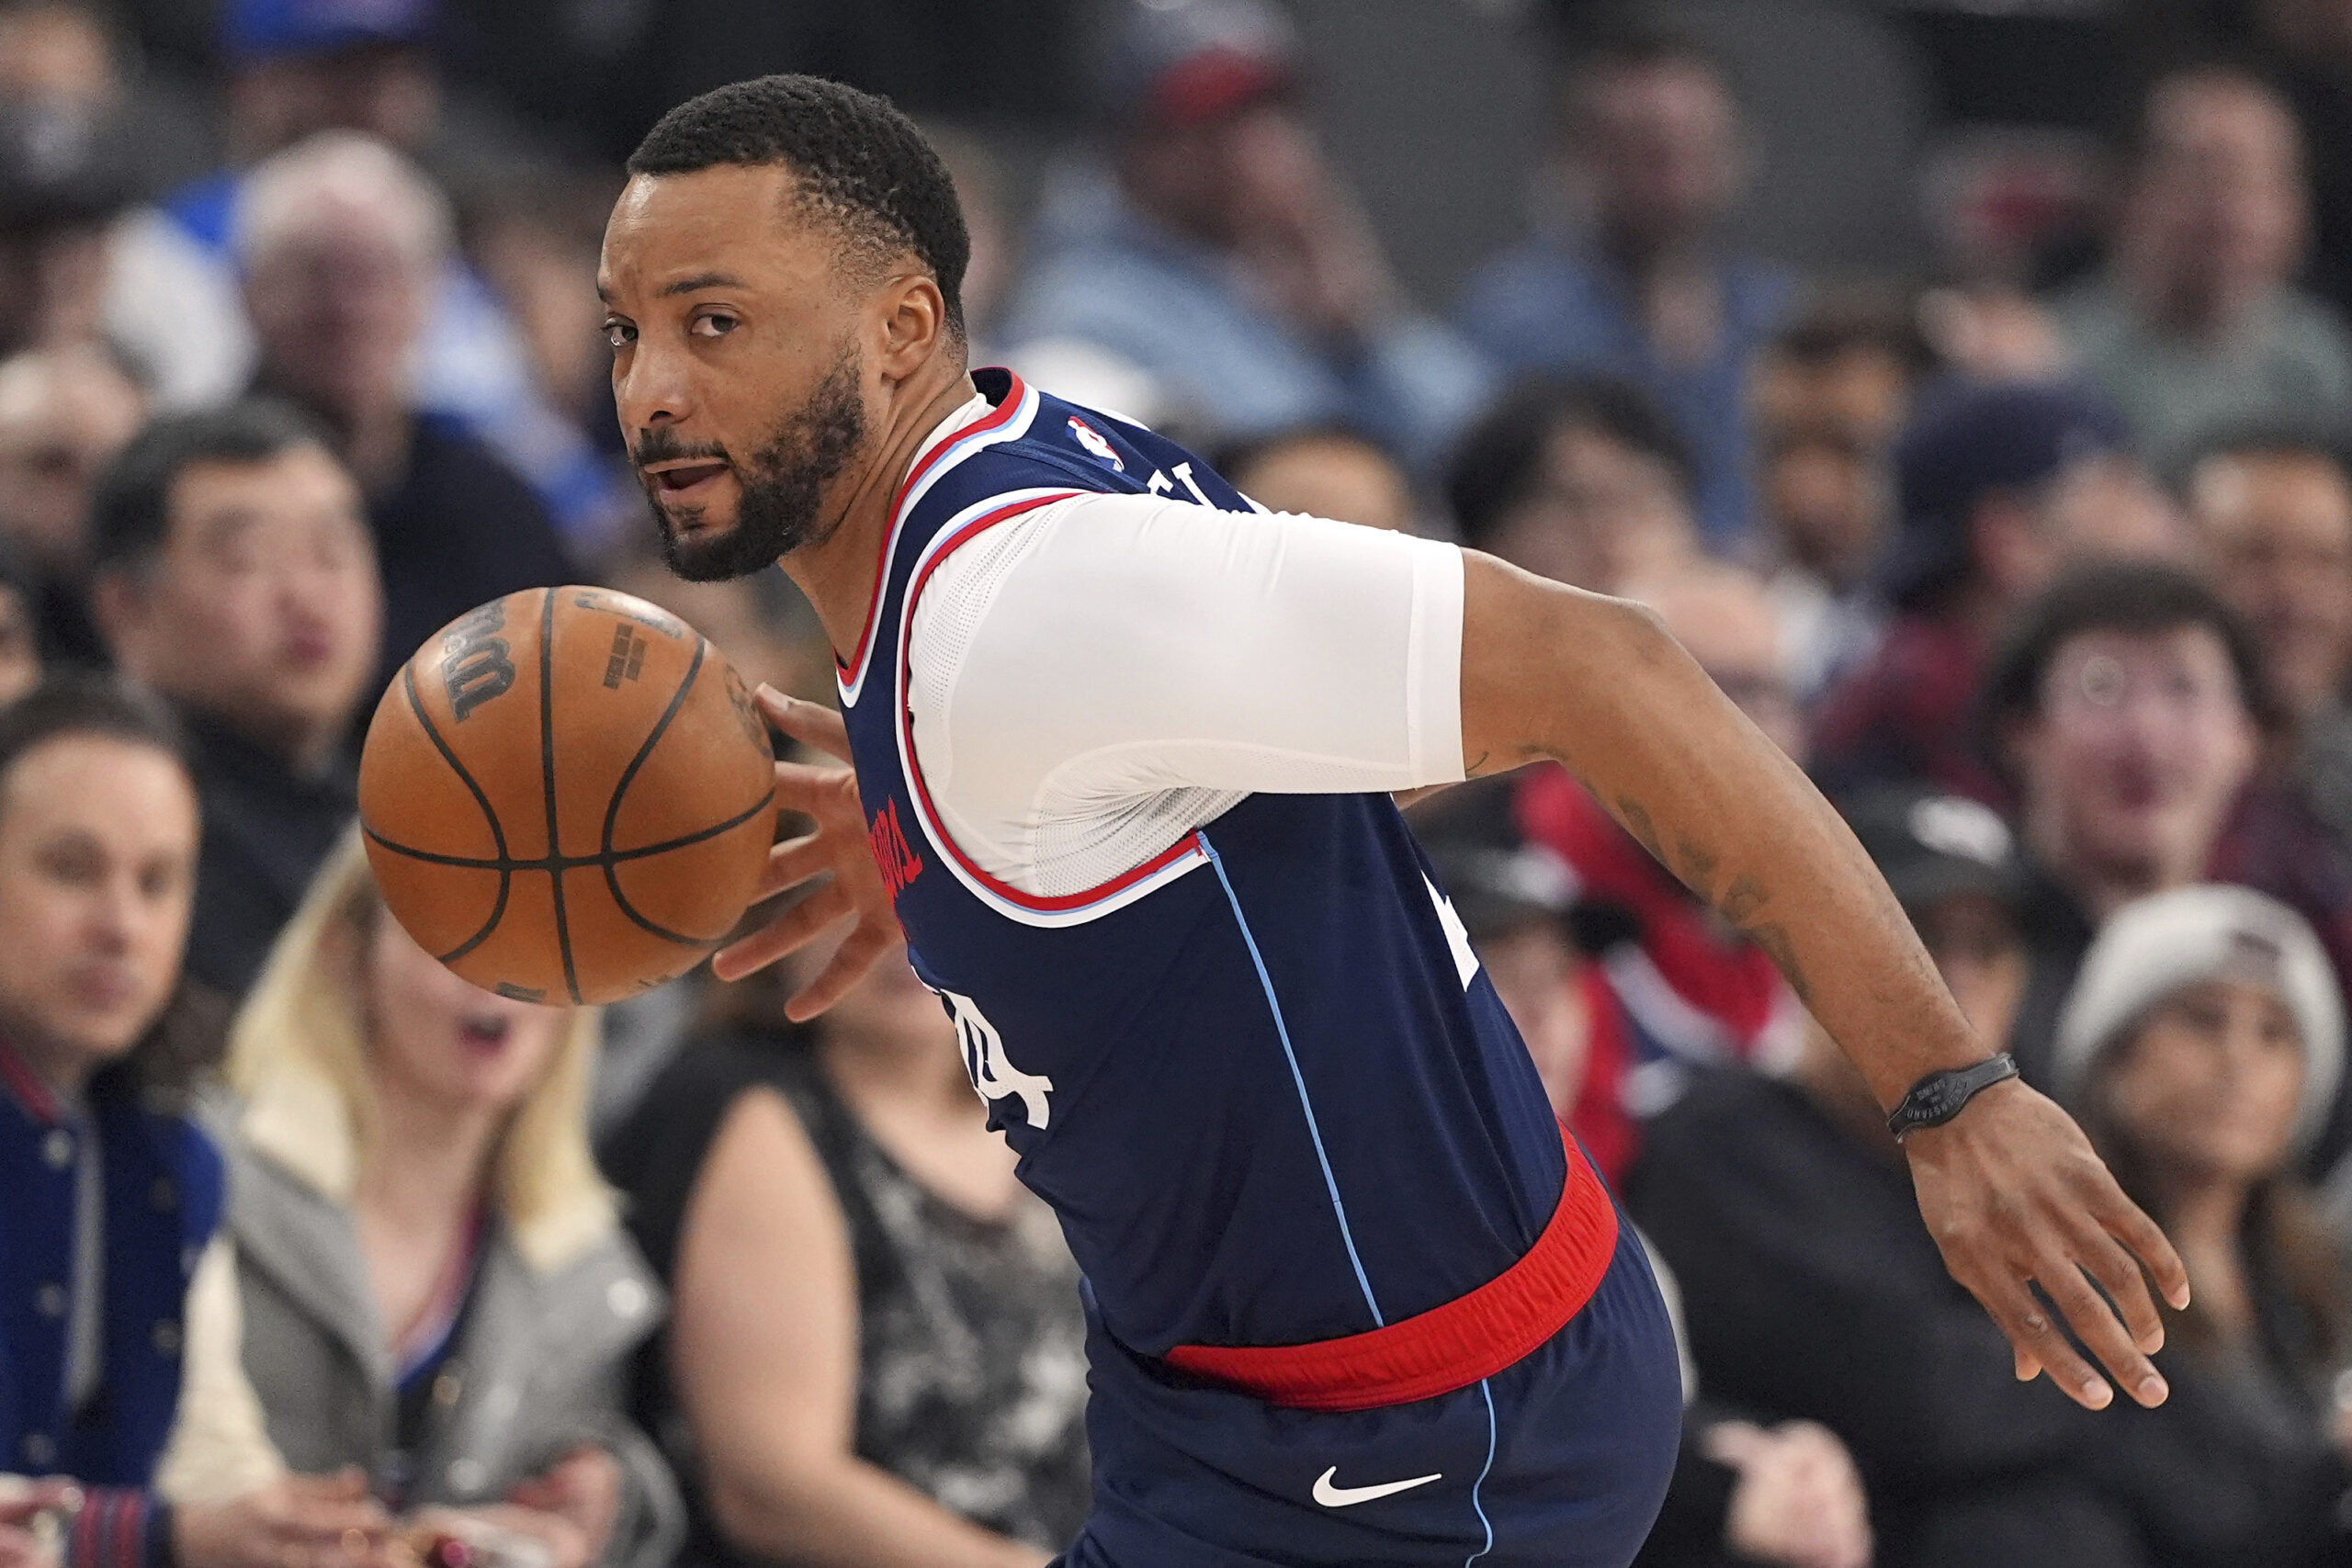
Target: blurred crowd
<point>2037,555</point>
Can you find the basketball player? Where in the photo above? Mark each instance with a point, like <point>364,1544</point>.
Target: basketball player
<point>1123,750</point>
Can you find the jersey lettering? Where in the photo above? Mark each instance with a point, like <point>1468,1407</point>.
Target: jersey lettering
<point>992,1072</point>
<point>893,856</point>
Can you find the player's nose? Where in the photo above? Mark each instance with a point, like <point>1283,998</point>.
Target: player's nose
<point>654,386</point>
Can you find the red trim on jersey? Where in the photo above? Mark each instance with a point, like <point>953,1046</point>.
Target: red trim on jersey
<point>1446,1347</point>
<point>1189,844</point>
<point>1004,413</point>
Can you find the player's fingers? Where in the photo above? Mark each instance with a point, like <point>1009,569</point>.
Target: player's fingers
<point>2118,1272</point>
<point>2036,1336</point>
<point>850,963</point>
<point>792,863</point>
<point>2095,1323</point>
<point>2130,1224</point>
<point>812,724</point>
<point>795,929</point>
<point>815,791</point>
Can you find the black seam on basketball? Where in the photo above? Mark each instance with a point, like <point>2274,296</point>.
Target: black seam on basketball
<point>497,834</point>
<point>652,738</point>
<point>547,777</point>
<point>577,862</point>
<point>613,806</point>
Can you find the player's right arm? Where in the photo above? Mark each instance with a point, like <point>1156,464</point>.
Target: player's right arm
<point>2010,1187</point>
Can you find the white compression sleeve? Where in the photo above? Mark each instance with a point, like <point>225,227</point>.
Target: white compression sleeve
<point>1093,680</point>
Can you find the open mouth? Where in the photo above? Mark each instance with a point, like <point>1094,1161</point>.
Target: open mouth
<point>678,479</point>
<point>486,1031</point>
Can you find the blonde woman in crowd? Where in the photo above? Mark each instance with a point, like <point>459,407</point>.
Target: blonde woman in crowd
<point>431,1277</point>
<point>2201,1046</point>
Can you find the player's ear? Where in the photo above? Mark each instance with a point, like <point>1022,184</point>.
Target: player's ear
<point>914,324</point>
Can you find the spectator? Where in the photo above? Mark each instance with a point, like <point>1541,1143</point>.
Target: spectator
<point>1646,284</point>
<point>63,415</point>
<point>1223,258</point>
<point>1831,389</point>
<point>2126,703</point>
<point>1999,487</point>
<point>2196,325</point>
<point>433,1282</point>
<point>2274,511</point>
<point>1586,482</point>
<point>296,68</point>
<point>2309,44</point>
<point>1324,471</point>
<point>235,578</point>
<point>57,55</point>
<point>876,1355</point>
<point>114,1191</point>
<point>341,241</point>
<point>1784,1496</point>
<point>2201,1048</point>
<point>1698,991</point>
<point>1810,1287</point>
<point>63,180</point>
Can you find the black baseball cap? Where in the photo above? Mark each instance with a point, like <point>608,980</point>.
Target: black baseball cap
<point>1498,881</point>
<point>1968,442</point>
<point>1930,845</point>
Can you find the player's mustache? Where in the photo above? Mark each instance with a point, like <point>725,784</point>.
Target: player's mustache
<point>665,446</point>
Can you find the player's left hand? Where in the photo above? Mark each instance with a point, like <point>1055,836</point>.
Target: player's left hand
<point>2015,1196</point>
<point>838,850</point>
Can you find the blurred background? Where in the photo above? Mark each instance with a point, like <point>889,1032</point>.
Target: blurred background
<point>1966,383</point>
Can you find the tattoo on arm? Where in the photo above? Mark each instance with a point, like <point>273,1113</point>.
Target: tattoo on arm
<point>1636,817</point>
<point>1742,904</point>
<point>1472,770</point>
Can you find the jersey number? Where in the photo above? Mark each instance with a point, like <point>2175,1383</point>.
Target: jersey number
<point>992,1072</point>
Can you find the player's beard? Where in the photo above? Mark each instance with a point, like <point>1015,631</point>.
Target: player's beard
<point>780,491</point>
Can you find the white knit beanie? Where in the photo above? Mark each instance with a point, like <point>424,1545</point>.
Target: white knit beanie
<point>2158,945</point>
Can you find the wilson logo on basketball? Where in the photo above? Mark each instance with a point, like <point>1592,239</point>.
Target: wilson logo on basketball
<point>896,857</point>
<point>476,663</point>
<point>628,660</point>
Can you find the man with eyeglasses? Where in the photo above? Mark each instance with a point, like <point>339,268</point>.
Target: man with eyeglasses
<point>2126,704</point>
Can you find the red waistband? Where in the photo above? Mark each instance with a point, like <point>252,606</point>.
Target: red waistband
<point>1448,1346</point>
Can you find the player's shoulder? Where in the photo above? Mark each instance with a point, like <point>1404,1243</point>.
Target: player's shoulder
<point>1051,440</point>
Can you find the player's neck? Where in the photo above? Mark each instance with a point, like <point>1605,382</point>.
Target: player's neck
<point>839,574</point>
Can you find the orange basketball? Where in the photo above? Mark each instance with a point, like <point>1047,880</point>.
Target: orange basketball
<point>567,796</point>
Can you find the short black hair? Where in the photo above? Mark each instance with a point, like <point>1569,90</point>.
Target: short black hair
<point>1851,320</point>
<point>1497,464</point>
<point>2136,597</point>
<point>82,703</point>
<point>863,167</point>
<point>131,509</point>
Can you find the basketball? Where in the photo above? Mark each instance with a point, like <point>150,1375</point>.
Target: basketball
<point>567,796</point>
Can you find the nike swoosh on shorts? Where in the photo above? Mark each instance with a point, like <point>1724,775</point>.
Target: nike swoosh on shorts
<point>1333,1496</point>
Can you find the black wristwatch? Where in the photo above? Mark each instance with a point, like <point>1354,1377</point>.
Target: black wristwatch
<point>1937,1098</point>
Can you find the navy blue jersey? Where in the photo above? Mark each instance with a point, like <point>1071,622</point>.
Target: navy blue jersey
<point>1258,1076</point>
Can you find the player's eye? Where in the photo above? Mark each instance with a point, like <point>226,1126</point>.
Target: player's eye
<point>618,334</point>
<point>712,324</point>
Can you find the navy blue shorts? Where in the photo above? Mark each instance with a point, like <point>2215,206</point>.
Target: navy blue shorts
<point>1559,1462</point>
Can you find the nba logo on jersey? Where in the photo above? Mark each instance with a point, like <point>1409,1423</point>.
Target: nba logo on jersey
<point>1086,436</point>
